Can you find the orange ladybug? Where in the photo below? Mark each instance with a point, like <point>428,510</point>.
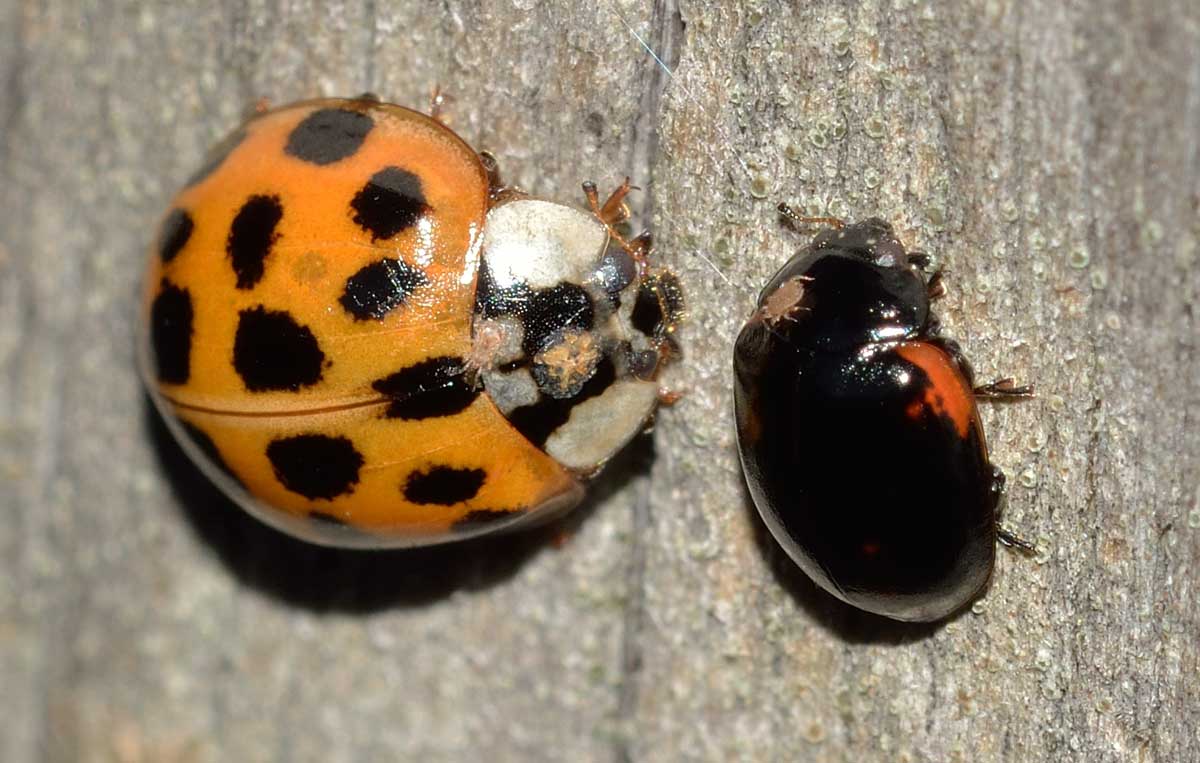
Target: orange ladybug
<point>366,340</point>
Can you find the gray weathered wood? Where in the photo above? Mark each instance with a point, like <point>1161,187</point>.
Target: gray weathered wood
<point>1047,153</point>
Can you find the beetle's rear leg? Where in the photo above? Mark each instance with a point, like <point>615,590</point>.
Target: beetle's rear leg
<point>1003,534</point>
<point>1003,389</point>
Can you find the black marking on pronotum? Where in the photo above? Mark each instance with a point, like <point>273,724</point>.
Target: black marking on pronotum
<point>328,135</point>
<point>251,237</point>
<point>176,230</point>
<point>659,305</point>
<point>444,485</point>
<point>391,201</point>
<point>538,421</point>
<point>206,446</point>
<point>315,465</point>
<point>381,287</point>
<point>171,333</point>
<point>216,157</point>
<point>434,387</point>
<point>551,310</point>
<point>483,517</point>
<point>271,351</point>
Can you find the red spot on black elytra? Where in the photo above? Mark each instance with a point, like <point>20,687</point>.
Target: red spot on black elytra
<point>328,135</point>
<point>434,387</point>
<point>271,351</point>
<point>315,465</point>
<point>381,287</point>
<point>171,333</point>
<point>444,485</point>
<point>391,201</point>
<point>251,237</point>
<point>176,230</point>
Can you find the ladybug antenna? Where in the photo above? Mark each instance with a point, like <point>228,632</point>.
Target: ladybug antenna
<point>796,220</point>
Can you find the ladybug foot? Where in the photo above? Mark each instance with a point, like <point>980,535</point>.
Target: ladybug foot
<point>1003,389</point>
<point>1012,540</point>
<point>919,260</point>
<point>936,287</point>
<point>614,210</point>
<point>496,187</point>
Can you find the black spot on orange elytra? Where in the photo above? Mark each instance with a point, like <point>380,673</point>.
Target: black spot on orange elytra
<point>444,485</point>
<point>251,237</point>
<point>328,135</point>
<point>315,465</point>
<point>380,287</point>
<point>391,201</point>
<point>171,333</point>
<point>271,351</point>
<point>176,230</point>
<point>434,387</point>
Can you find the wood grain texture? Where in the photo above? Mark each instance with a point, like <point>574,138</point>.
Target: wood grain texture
<point>1047,153</point>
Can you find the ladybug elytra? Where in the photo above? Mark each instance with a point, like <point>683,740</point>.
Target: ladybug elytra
<point>366,340</point>
<point>858,429</point>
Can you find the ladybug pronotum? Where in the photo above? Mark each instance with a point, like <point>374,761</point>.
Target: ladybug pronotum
<point>365,340</point>
<point>858,429</point>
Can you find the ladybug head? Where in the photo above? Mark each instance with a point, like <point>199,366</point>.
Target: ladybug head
<point>853,285</point>
<point>570,329</point>
<point>872,240</point>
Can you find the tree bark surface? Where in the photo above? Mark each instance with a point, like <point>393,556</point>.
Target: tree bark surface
<point>1046,153</point>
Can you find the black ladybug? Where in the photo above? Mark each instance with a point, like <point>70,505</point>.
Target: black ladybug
<point>858,430</point>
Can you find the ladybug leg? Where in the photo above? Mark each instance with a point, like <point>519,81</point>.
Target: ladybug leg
<point>935,287</point>
<point>642,244</point>
<point>919,260</point>
<point>1003,534</point>
<point>795,220</point>
<point>615,211</point>
<point>1008,538</point>
<point>496,186</point>
<point>1003,389</point>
